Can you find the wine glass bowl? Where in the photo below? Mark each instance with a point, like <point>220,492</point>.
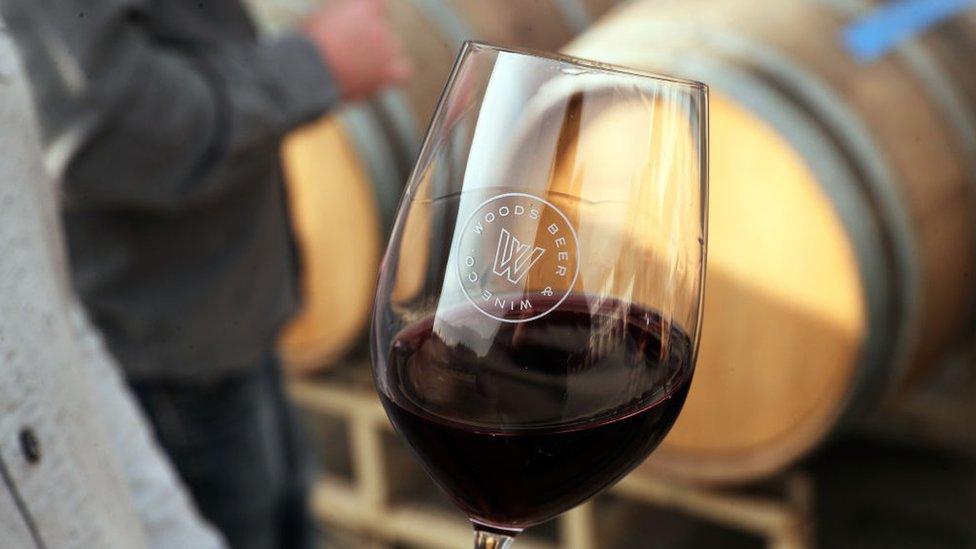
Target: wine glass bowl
<point>538,306</point>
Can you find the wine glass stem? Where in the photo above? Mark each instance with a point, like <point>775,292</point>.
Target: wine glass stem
<point>491,540</point>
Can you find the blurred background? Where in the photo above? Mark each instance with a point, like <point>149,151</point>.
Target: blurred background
<point>835,399</point>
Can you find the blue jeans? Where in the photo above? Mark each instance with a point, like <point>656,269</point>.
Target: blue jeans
<point>238,447</point>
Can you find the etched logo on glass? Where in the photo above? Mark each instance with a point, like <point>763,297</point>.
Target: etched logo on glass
<point>513,249</point>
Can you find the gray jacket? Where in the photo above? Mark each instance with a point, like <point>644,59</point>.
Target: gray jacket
<point>78,465</point>
<point>165,118</point>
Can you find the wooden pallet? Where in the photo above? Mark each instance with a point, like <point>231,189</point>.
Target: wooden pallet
<point>365,504</point>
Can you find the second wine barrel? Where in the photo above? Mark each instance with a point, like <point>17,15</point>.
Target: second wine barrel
<point>842,217</point>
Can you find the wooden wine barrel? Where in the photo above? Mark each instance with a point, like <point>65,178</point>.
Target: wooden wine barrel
<point>345,172</point>
<point>842,217</point>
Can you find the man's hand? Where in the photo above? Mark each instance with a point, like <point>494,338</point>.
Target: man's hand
<point>359,47</point>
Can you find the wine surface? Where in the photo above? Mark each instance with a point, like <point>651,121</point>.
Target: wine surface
<point>519,422</point>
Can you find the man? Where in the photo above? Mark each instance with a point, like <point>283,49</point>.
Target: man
<point>78,464</point>
<point>165,117</point>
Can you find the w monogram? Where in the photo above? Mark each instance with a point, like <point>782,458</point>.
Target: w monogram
<point>514,259</point>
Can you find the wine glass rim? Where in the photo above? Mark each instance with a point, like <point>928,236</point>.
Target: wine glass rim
<point>587,63</point>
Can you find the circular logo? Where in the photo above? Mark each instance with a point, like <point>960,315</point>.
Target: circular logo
<point>517,257</point>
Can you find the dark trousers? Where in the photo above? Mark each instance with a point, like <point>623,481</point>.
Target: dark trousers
<point>239,449</point>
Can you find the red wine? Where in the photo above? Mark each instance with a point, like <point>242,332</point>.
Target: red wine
<point>519,422</point>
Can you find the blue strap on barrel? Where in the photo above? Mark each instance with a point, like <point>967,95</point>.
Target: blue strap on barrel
<point>875,34</point>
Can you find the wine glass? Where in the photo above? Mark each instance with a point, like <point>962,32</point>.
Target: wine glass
<point>538,308</point>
